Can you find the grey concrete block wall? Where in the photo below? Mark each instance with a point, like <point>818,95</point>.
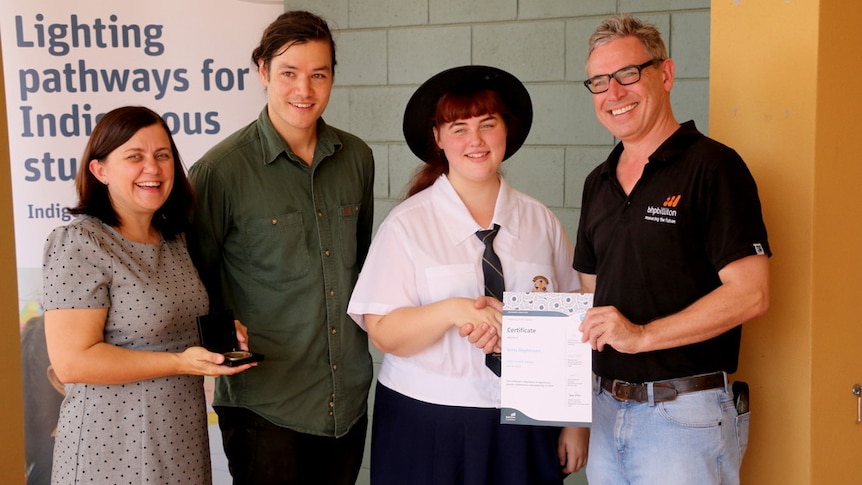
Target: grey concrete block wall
<point>386,48</point>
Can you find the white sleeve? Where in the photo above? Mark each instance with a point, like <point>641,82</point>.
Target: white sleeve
<point>388,277</point>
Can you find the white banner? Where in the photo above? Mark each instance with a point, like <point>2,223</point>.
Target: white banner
<point>66,63</point>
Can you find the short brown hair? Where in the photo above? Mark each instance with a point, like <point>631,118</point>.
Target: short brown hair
<point>293,27</point>
<point>112,130</point>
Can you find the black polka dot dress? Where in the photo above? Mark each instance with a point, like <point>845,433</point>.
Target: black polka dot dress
<point>152,431</point>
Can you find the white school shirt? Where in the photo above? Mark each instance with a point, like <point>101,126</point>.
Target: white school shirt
<point>425,251</point>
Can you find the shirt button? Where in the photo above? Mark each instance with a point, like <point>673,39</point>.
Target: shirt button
<point>319,213</point>
<point>334,366</point>
<point>331,413</point>
<point>333,331</point>
<point>331,292</point>
<point>331,404</point>
<point>274,221</point>
<point>327,253</point>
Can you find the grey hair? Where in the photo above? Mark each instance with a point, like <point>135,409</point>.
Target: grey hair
<point>624,25</point>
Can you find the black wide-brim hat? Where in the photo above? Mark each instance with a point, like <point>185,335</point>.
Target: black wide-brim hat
<point>419,114</point>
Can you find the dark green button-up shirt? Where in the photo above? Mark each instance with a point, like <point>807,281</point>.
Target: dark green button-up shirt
<point>281,244</point>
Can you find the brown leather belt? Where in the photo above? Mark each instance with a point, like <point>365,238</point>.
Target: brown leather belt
<point>662,390</point>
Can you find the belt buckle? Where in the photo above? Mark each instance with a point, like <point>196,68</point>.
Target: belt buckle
<point>620,391</point>
<point>629,392</point>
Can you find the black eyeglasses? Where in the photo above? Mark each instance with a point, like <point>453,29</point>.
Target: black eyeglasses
<point>625,76</point>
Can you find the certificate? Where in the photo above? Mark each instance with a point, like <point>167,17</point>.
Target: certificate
<point>547,370</point>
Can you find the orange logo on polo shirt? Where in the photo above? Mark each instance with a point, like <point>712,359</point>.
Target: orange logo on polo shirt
<point>666,214</point>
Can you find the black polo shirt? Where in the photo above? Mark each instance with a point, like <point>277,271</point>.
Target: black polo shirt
<point>658,250</point>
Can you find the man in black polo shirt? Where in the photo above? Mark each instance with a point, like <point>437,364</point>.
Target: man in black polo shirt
<point>672,242</point>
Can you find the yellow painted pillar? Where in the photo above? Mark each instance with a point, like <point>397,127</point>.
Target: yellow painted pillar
<point>837,240</point>
<point>785,91</point>
<point>12,417</point>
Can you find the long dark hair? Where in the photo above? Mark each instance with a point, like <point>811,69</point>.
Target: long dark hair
<point>113,129</point>
<point>451,107</point>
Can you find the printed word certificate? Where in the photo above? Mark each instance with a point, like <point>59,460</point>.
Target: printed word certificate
<point>547,370</point>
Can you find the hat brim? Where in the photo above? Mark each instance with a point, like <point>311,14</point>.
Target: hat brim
<point>420,110</point>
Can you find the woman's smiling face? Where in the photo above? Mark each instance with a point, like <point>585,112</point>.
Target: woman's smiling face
<point>474,147</point>
<point>139,173</point>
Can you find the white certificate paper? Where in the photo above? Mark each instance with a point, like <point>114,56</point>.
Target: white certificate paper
<point>547,370</point>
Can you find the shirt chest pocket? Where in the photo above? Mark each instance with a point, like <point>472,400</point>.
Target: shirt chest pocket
<point>450,281</point>
<point>275,248</point>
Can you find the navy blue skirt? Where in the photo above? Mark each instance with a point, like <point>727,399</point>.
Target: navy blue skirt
<point>417,443</point>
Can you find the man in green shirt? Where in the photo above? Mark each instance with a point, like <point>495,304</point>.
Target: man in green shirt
<point>282,225</point>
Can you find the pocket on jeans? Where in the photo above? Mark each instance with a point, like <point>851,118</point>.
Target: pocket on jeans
<point>742,424</point>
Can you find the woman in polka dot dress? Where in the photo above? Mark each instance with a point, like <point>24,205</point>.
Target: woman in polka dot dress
<point>121,296</point>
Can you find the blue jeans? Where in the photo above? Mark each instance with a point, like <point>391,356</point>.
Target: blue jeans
<point>696,439</point>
